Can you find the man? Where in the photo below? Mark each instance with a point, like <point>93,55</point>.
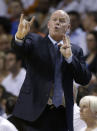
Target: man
<point>15,78</point>
<point>90,18</point>
<point>77,35</point>
<point>77,122</point>
<point>52,64</point>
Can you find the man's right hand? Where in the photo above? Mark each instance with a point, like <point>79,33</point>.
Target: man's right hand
<point>24,27</point>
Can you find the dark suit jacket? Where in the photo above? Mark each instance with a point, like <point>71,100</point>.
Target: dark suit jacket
<point>39,57</point>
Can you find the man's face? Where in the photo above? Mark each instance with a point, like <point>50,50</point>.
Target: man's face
<point>58,25</point>
<point>10,61</point>
<point>86,21</point>
<point>15,9</point>
<point>74,22</point>
<point>86,113</point>
<point>4,42</point>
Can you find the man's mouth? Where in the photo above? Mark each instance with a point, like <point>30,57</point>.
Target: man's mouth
<point>56,28</point>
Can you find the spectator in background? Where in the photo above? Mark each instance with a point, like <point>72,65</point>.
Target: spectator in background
<point>90,5</point>
<point>2,91</point>
<point>88,112</point>
<point>35,28</point>
<point>91,58</point>
<point>15,79</point>
<point>5,25</point>
<point>68,5</point>
<point>93,90</point>
<point>5,125</point>
<point>78,123</point>
<point>15,9</point>
<point>4,96</point>
<point>10,103</point>
<point>82,91</point>
<point>3,71</point>
<point>42,11</point>
<point>28,3</point>
<point>32,7</point>
<point>89,21</point>
<point>3,8</point>
<point>5,42</point>
<point>77,35</point>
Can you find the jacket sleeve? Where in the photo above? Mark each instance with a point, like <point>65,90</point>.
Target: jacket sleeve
<point>80,71</point>
<point>26,46</point>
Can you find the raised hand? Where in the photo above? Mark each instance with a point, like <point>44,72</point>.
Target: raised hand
<point>24,27</point>
<point>65,49</point>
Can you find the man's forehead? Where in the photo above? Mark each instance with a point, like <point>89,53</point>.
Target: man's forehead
<point>59,13</point>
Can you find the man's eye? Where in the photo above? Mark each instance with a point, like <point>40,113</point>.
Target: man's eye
<point>62,21</point>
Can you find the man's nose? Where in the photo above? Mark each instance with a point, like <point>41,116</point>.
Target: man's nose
<point>57,22</point>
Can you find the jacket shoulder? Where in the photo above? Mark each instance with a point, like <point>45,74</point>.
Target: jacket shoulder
<point>34,37</point>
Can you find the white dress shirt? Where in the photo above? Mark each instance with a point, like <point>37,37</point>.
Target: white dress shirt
<point>5,125</point>
<point>78,37</point>
<point>78,123</point>
<point>13,85</point>
<point>84,129</point>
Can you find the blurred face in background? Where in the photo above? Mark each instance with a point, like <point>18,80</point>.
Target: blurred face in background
<point>74,22</point>
<point>86,22</point>
<point>43,6</point>
<point>15,9</point>
<point>1,92</point>
<point>91,42</point>
<point>4,42</point>
<point>1,30</point>
<point>85,112</point>
<point>2,61</point>
<point>58,25</point>
<point>10,62</point>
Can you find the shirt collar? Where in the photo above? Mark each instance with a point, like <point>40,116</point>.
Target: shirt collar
<point>53,41</point>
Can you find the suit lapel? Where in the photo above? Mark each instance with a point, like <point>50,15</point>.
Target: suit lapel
<point>51,50</point>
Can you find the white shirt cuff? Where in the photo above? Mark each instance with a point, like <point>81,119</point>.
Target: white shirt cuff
<point>18,40</point>
<point>69,60</point>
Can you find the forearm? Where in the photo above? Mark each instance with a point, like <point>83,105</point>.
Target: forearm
<point>17,45</point>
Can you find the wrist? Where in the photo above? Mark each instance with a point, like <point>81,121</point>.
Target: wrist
<point>19,36</point>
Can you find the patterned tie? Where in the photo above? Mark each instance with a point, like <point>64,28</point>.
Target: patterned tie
<point>58,92</point>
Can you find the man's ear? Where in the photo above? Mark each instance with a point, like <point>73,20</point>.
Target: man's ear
<point>68,28</point>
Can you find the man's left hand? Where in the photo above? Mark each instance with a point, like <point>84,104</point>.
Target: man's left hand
<point>65,49</point>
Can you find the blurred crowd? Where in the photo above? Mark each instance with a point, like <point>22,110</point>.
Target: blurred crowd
<point>83,32</point>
